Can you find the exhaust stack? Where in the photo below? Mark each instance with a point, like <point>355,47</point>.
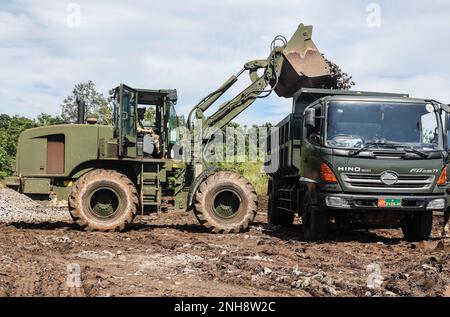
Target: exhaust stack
<point>81,111</point>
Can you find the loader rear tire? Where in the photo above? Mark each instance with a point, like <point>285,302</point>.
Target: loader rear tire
<point>103,200</point>
<point>226,203</point>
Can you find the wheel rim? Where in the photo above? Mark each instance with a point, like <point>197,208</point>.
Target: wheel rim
<point>104,202</point>
<point>226,204</point>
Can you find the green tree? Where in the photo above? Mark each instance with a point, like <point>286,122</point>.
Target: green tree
<point>10,130</point>
<point>45,119</point>
<point>105,113</point>
<point>96,104</point>
<point>4,163</point>
<point>150,115</point>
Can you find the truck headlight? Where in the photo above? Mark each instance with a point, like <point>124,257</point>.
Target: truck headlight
<point>437,204</point>
<point>337,202</point>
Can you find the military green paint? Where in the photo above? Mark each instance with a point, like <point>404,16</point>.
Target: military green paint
<point>36,186</point>
<point>104,202</point>
<point>81,146</point>
<point>226,204</point>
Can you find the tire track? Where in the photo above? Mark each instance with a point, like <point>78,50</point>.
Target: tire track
<point>28,277</point>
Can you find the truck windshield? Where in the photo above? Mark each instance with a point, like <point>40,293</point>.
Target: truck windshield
<point>356,125</point>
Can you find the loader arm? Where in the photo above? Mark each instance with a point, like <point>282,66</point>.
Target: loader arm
<point>294,65</point>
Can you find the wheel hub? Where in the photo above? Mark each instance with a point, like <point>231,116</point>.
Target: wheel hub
<point>104,202</point>
<point>226,204</point>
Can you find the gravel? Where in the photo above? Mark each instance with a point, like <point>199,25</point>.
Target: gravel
<point>17,208</point>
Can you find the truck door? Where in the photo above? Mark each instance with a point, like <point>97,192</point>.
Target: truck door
<point>311,159</point>
<point>127,122</point>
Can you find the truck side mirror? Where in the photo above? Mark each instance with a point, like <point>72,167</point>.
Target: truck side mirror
<point>310,118</point>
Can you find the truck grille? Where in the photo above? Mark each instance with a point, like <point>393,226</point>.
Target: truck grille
<point>373,181</point>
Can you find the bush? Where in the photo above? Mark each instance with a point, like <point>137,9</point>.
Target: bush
<point>4,163</point>
<point>252,172</point>
<point>10,130</point>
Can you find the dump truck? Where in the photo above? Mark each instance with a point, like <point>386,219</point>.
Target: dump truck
<point>354,159</point>
<point>110,174</point>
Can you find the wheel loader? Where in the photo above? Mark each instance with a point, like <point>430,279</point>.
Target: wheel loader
<point>110,174</point>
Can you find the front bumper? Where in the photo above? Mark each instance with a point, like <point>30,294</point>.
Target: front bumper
<point>13,182</point>
<point>370,202</point>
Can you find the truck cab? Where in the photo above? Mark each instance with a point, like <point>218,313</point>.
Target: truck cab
<point>360,160</point>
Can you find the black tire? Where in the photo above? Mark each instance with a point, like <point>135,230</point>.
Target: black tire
<point>314,222</point>
<point>418,227</point>
<point>278,217</point>
<point>343,225</point>
<point>226,203</point>
<point>103,200</point>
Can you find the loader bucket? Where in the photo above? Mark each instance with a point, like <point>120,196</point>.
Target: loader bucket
<point>303,65</point>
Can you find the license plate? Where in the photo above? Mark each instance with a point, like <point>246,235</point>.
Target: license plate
<point>389,203</point>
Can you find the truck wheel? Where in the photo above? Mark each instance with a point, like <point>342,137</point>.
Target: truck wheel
<point>418,227</point>
<point>278,217</point>
<point>314,222</point>
<point>226,203</point>
<point>103,201</point>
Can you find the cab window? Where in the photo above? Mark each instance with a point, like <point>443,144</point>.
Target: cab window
<point>314,134</point>
<point>173,125</point>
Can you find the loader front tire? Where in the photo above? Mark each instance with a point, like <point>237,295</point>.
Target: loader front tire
<point>103,200</point>
<point>226,203</point>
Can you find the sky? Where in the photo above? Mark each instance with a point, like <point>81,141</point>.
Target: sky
<point>46,47</point>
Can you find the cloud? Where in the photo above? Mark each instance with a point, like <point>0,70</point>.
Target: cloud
<point>195,46</point>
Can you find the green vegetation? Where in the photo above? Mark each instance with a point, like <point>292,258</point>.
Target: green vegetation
<point>4,163</point>
<point>251,171</point>
<point>10,129</point>
<point>242,165</point>
<point>97,105</point>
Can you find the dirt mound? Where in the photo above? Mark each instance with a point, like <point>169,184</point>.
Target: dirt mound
<point>15,208</point>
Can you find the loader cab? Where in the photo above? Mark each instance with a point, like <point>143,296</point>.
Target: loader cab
<point>160,116</point>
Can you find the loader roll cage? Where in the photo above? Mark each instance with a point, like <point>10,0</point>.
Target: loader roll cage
<point>127,100</point>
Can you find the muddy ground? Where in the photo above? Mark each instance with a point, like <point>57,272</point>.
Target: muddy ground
<point>41,255</point>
